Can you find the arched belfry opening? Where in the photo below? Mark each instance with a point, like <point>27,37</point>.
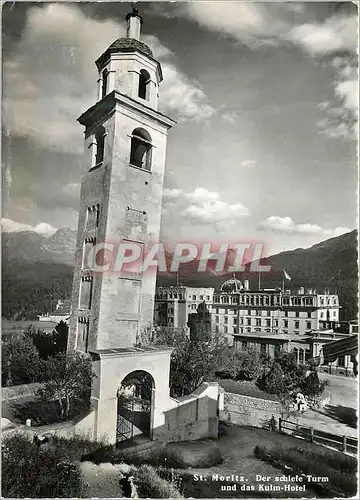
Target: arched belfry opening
<point>104,85</point>
<point>144,85</point>
<point>141,149</point>
<point>100,145</point>
<point>134,406</point>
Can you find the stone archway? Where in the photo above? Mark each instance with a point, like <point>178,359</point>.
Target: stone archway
<point>134,406</point>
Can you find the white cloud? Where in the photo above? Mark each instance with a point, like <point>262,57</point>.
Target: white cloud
<point>51,77</point>
<point>287,225</point>
<point>251,23</point>
<point>203,207</point>
<point>334,34</point>
<point>10,226</point>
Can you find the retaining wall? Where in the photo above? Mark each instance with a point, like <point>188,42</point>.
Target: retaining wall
<point>246,410</point>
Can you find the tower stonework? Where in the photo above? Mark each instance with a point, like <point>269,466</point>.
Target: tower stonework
<point>121,194</point>
<point>120,201</point>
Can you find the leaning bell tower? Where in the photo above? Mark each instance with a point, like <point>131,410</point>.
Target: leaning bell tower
<point>121,192</point>
<point>120,200</point>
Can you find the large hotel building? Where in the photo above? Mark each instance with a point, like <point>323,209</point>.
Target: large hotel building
<point>269,320</point>
<point>236,309</point>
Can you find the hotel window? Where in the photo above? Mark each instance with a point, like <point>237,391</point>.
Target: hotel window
<point>297,314</point>
<point>258,322</point>
<point>249,322</point>
<point>308,325</point>
<point>216,319</point>
<point>193,306</point>
<point>263,349</point>
<point>297,323</point>
<point>301,356</point>
<point>286,314</point>
<point>341,361</point>
<point>207,297</point>
<point>194,297</point>
<point>225,320</point>
<point>286,323</point>
<point>309,314</point>
<point>234,329</point>
<point>235,321</point>
<point>276,322</point>
<point>277,350</point>
<point>268,322</point>
<point>201,297</point>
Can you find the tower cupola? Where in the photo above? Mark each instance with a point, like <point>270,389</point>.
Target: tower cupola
<point>129,67</point>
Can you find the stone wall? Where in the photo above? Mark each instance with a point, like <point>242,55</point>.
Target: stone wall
<point>246,410</point>
<point>192,417</point>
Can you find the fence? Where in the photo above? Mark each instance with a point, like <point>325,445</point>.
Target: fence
<point>337,370</point>
<point>345,444</point>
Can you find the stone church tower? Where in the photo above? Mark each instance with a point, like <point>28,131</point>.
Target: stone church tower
<point>121,197</point>
<point>121,193</point>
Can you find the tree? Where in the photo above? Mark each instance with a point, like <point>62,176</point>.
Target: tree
<point>67,379</point>
<point>311,385</point>
<point>21,363</point>
<point>193,361</point>
<point>273,381</point>
<point>49,344</point>
<point>251,365</point>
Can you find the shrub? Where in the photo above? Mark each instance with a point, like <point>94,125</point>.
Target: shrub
<point>77,447</point>
<point>48,412</point>
<point>28,471</point>
<point>150,485</point>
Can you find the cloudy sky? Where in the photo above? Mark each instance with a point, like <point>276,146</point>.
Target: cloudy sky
<point>265,99</point>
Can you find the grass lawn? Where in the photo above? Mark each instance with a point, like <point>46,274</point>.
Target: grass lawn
<point>238,449</point>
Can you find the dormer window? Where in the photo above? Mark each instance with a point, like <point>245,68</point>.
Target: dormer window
<point>104,86</point>
<point>141,146</point>
<point>144,85</point>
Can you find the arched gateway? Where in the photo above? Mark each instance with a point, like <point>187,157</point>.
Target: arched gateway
<point>134,406</point>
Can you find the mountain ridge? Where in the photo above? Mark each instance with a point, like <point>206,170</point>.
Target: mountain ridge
<point>38,270</point>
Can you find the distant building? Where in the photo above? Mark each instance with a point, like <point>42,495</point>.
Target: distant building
<point>199,323</point>
<point>305,348</point>
<point>239,310</point>
<point>174,304</point>
<point>62,312</point>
